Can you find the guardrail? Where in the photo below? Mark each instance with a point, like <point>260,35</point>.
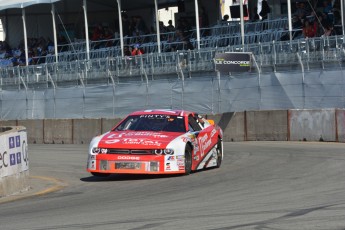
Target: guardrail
<point>311,53</point>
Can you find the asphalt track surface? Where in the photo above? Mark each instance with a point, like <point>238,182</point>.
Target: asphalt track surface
<point>260,185</point>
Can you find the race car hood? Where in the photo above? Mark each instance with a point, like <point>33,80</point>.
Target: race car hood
<point>137,139</point>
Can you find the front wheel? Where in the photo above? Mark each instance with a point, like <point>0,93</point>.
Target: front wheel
<point>219,153</point>
<point>188,160</point>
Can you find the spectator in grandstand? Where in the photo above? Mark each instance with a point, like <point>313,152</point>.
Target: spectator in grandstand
<point>162,30</point>
<point>38,54</point>
<point>329,31</point>
<point>108,36</point>
<point>20,58</point>
<point>309,29</point>
<point>225,18</point>
<point>322,20</point>
<point>126,51</point>
<point>297,27</point>
<point>265,10</point>
<point>301,10</point>
<point>4,58</point>
<point>162,27</point>
<point>98,34</point>
<point>137,50</point>
<point>170,27</point>
<point>327,6</point>
<point>62,42</point>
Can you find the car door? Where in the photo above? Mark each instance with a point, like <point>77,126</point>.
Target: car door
<point>202,143</point>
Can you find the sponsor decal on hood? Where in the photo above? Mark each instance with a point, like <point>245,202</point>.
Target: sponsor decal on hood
<point>137,139</point>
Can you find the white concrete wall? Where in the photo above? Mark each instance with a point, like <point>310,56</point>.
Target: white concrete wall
<point>14,160</point>
<point>312,125</point>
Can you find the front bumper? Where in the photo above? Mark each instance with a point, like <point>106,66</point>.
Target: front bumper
<point>136,164</point>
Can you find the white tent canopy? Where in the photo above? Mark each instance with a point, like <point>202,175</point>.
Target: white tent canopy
<point>6,4</point>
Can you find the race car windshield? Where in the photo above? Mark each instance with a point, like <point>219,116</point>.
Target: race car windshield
<point>153,122</point>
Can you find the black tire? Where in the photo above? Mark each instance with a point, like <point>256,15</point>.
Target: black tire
<point>188,160</point>
<point>219,153</point>
<point>100,174</point>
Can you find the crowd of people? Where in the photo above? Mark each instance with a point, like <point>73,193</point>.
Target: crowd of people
<point>307,23</point>
<point>38,50</point>
<point>324,21</point>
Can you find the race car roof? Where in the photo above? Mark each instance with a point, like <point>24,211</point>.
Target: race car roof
<point>162,111</point>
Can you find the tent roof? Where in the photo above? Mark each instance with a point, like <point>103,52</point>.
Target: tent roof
<point>128,4</point>
<point>6,4</point>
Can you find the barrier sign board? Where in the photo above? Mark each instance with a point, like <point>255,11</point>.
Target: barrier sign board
<point>233,62</point>
<point>13,153</point>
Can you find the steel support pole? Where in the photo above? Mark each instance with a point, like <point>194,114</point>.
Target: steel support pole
<point>120,26</point>
<point>86,31</point>
<point>55,35</point>
<point>157,28</point>
<point>242,24</point>
<point>342,15</point>
<point>289,19</point>
<point>197,24</point>
<point>25,38</point>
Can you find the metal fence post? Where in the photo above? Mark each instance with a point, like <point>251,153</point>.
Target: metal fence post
<point>303,80</point>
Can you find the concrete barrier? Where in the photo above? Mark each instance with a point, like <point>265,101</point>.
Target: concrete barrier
<point>58,131</point>
<point>85,129</point>
<point>266,125</point>
<point>109,123</point>
<point>14,161</point>
<point>35,130</point>
<point>233,125</point>
<point>340,119</point>
<point>276,125</point>
<point>8,123</point>
<point>312,125</point>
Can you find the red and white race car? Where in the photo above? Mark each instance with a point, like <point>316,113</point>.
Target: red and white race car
<point>157,142</point>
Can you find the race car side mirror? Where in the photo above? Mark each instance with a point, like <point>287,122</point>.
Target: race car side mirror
<point>211,122</point>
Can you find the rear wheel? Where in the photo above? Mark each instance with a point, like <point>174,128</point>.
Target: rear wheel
<point>219,153</point>
<point>188,160</point>
<point>100,174</point>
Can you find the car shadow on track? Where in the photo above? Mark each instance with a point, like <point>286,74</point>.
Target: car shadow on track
<point>127,177</point>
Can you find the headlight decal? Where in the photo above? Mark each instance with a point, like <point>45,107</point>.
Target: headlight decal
<point>95,150</point>
<point>168,151</point>
<point>104,151</point>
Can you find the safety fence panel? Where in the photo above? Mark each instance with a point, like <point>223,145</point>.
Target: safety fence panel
<point>239,93</point>
<point>209,93</point>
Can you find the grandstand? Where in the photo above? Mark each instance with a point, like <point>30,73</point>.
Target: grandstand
<point>107,68</point>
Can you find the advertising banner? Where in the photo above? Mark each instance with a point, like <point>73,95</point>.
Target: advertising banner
<point>233,62</point>
<point>13,153</point>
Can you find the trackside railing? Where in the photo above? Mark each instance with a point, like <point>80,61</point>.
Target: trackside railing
<point>312,53</point>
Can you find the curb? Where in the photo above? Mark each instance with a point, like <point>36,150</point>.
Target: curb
<point>38,186</point>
